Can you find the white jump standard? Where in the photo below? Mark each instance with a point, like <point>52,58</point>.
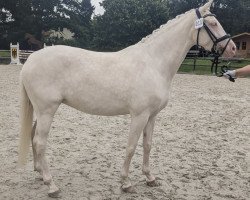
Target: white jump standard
<point>14,54</point>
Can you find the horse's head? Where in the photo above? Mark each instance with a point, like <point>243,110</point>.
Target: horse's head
<point>211,34</point>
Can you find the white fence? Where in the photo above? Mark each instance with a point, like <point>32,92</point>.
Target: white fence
<point>24,54</point>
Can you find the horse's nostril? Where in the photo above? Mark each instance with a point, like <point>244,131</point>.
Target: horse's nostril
<point>234,49</point>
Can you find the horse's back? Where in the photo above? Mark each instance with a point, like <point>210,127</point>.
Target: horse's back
<point>93,82</point>
<point>89,81</point>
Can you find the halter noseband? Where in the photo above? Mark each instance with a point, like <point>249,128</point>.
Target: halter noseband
<point>215,40</point>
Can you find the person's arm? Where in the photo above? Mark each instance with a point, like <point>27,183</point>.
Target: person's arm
<point>241,72</point>
<point>244,71</point>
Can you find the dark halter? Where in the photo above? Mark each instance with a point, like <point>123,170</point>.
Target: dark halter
<point>215,40</point>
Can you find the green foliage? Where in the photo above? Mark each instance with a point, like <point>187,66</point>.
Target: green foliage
<point>126,22</point>
<point>18,17</point>
<point>233,15</point>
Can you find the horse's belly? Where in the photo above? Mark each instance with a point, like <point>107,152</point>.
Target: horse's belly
<point>98,106</point>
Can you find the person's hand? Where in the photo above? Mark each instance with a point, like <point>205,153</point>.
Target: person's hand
<point>230,74</point>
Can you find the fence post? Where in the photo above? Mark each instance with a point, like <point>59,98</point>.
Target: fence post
<point>14,54</point>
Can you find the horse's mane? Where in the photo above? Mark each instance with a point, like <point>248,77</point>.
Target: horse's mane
<point>164,26</point>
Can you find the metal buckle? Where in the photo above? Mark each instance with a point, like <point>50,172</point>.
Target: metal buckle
<point>224,69</point>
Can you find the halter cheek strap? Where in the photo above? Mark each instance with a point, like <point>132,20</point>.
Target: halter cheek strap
<point>198,13</point>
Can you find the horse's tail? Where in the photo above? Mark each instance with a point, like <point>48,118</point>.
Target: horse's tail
<point>26,119</point>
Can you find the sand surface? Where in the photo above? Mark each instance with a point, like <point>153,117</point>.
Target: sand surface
<point>201,146</point>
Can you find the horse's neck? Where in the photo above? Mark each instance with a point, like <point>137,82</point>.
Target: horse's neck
<point>170,45</point>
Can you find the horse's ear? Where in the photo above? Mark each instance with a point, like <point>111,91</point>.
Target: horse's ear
<point>207,6</point>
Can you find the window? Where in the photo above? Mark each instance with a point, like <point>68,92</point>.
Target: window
<point>237,45</point>
<point>244,45</point>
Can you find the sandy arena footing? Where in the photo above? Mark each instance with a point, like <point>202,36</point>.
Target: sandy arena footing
<point>201,146</point>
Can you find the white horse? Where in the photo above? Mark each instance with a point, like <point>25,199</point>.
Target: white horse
<point>133,81</point>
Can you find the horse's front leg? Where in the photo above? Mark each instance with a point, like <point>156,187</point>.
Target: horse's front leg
<point>138,123</point>
<point>147,143</point>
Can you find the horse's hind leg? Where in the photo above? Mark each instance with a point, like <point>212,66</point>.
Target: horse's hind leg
<point>147,143</point>
<point>44,120</point>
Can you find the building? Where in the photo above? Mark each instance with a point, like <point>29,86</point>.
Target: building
<point>242,42</point>
<point>62,33</point>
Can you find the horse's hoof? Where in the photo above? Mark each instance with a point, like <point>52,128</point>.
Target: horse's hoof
<point>129,189</point>
<point>153,183</point>
<point>55,194</point>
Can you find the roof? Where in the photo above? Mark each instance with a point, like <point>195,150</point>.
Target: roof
<point>241,35</point>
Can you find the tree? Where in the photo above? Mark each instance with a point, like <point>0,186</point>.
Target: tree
<point>18,17</point>
<point>80,24</point>
<point>233,15</point>
<point>126,22</point>
<point>180,6</point>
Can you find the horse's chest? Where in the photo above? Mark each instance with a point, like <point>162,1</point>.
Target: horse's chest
<point>164,102</point>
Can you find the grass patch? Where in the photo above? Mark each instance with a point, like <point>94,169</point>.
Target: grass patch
<point>4,57</point>
<point>4,54</point>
